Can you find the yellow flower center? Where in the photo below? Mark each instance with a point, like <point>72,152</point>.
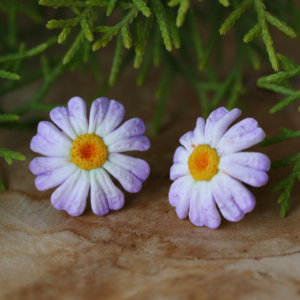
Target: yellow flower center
<point>203,163</point>
<point>88,152</point>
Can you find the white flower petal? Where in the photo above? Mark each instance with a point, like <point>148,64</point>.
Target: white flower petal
<point>248,175</point>
<point>254,160</point>
<point>136,166</point>
<point>224,198</point>
<point>211,121</point>
<point>179,189</point>
<point>140,143</point>
<point>40,165</point>
<point>188,141</point>
<point>97,113</point>
<point>222,125</point>
<point>183,205</point>
<point>113,117</point>
<point>130,183</point>
<point>130,128</point>
<point>242,135</point>
<point>199,132</point>
<point>60,116</point>
<point>203,210</point>
<point>181,155</point>
<point>104,194</point>
<point>179,170</point>
<point>72,194</point>
<point>50,141</point>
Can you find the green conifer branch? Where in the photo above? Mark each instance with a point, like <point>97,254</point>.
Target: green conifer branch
<point>63,35</point>
<point>284,162</point>
<point>125,32</point>
<point>234,15</point>
<point>261,16</point>
<point>62,3</point>
<point>253,33</point>
<point>280,25</point>
<point>285,102</point>
<point>139,38</point>
<point>224,2</point>
<point>74,48</point>
<point>29,53</point>
<point>163,23</point>
<point>8,75</point>
<point>142,7</point>
<point>110,7</point>
<point>113,30</point>
<point>280,76</point>
<point>86,30</point>
<point>183,8</point>
<point>173,28</point>
<point>10,155</point>
<point>116,61</point>
<point>157,51</point>
<point>290,134</point>
<point>8,117</point>
<point>287,63</point>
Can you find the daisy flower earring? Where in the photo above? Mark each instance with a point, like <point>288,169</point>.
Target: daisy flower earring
<point>80,156</point>
<point>208,169</point>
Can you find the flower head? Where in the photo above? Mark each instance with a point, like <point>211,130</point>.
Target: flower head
<point>79,157</point>
<point>209,167</point>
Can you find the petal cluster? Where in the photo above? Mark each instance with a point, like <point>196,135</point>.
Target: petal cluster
<point>57,168</point>
<point>199,199</point>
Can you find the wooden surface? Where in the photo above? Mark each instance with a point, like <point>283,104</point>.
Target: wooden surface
<point>144,251</point>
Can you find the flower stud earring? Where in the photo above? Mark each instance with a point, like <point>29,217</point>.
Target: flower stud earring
<point>209,167</point>
<point>80,156</point>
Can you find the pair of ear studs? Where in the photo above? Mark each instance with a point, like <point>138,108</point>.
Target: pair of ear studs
<point>208,168</point>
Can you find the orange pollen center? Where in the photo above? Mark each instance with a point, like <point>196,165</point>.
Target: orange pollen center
<point>88,152</point>
<point>203,163</point>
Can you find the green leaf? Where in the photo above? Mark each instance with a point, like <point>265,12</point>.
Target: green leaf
<point>8,117</point>
<point>234,15</point>
<point>163,23</point>
<point>10,155</point>
<point>9,75</point>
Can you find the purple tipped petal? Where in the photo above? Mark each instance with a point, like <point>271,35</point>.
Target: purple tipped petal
<point>252,160</point>
<point>140,143</point>
<point>179,170</point>
<point>181,155</point>
<point>240,136</point>
<point>50,141</point>
<point>179,189</point>
<point>242,196</point>
<point>188,141</point>
<point>97,113</point>
<point>225,200</point>
<point>60,116</point>
<point>199,131</point>
<point>132,127</point>
<point>203,210</point>
<point>136,166</point>
<point>113,117</point>
<point>40,165</point>
<point>72,194</point>
<point>104,194</point>
<point>211,121</point>
<point>222,125</point>
<point>130,183</point>
<point>248,175</point>
<point>50,179</point>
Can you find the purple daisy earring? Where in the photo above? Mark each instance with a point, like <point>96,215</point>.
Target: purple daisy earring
<point>208,169</point>
<point>80,156</point>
